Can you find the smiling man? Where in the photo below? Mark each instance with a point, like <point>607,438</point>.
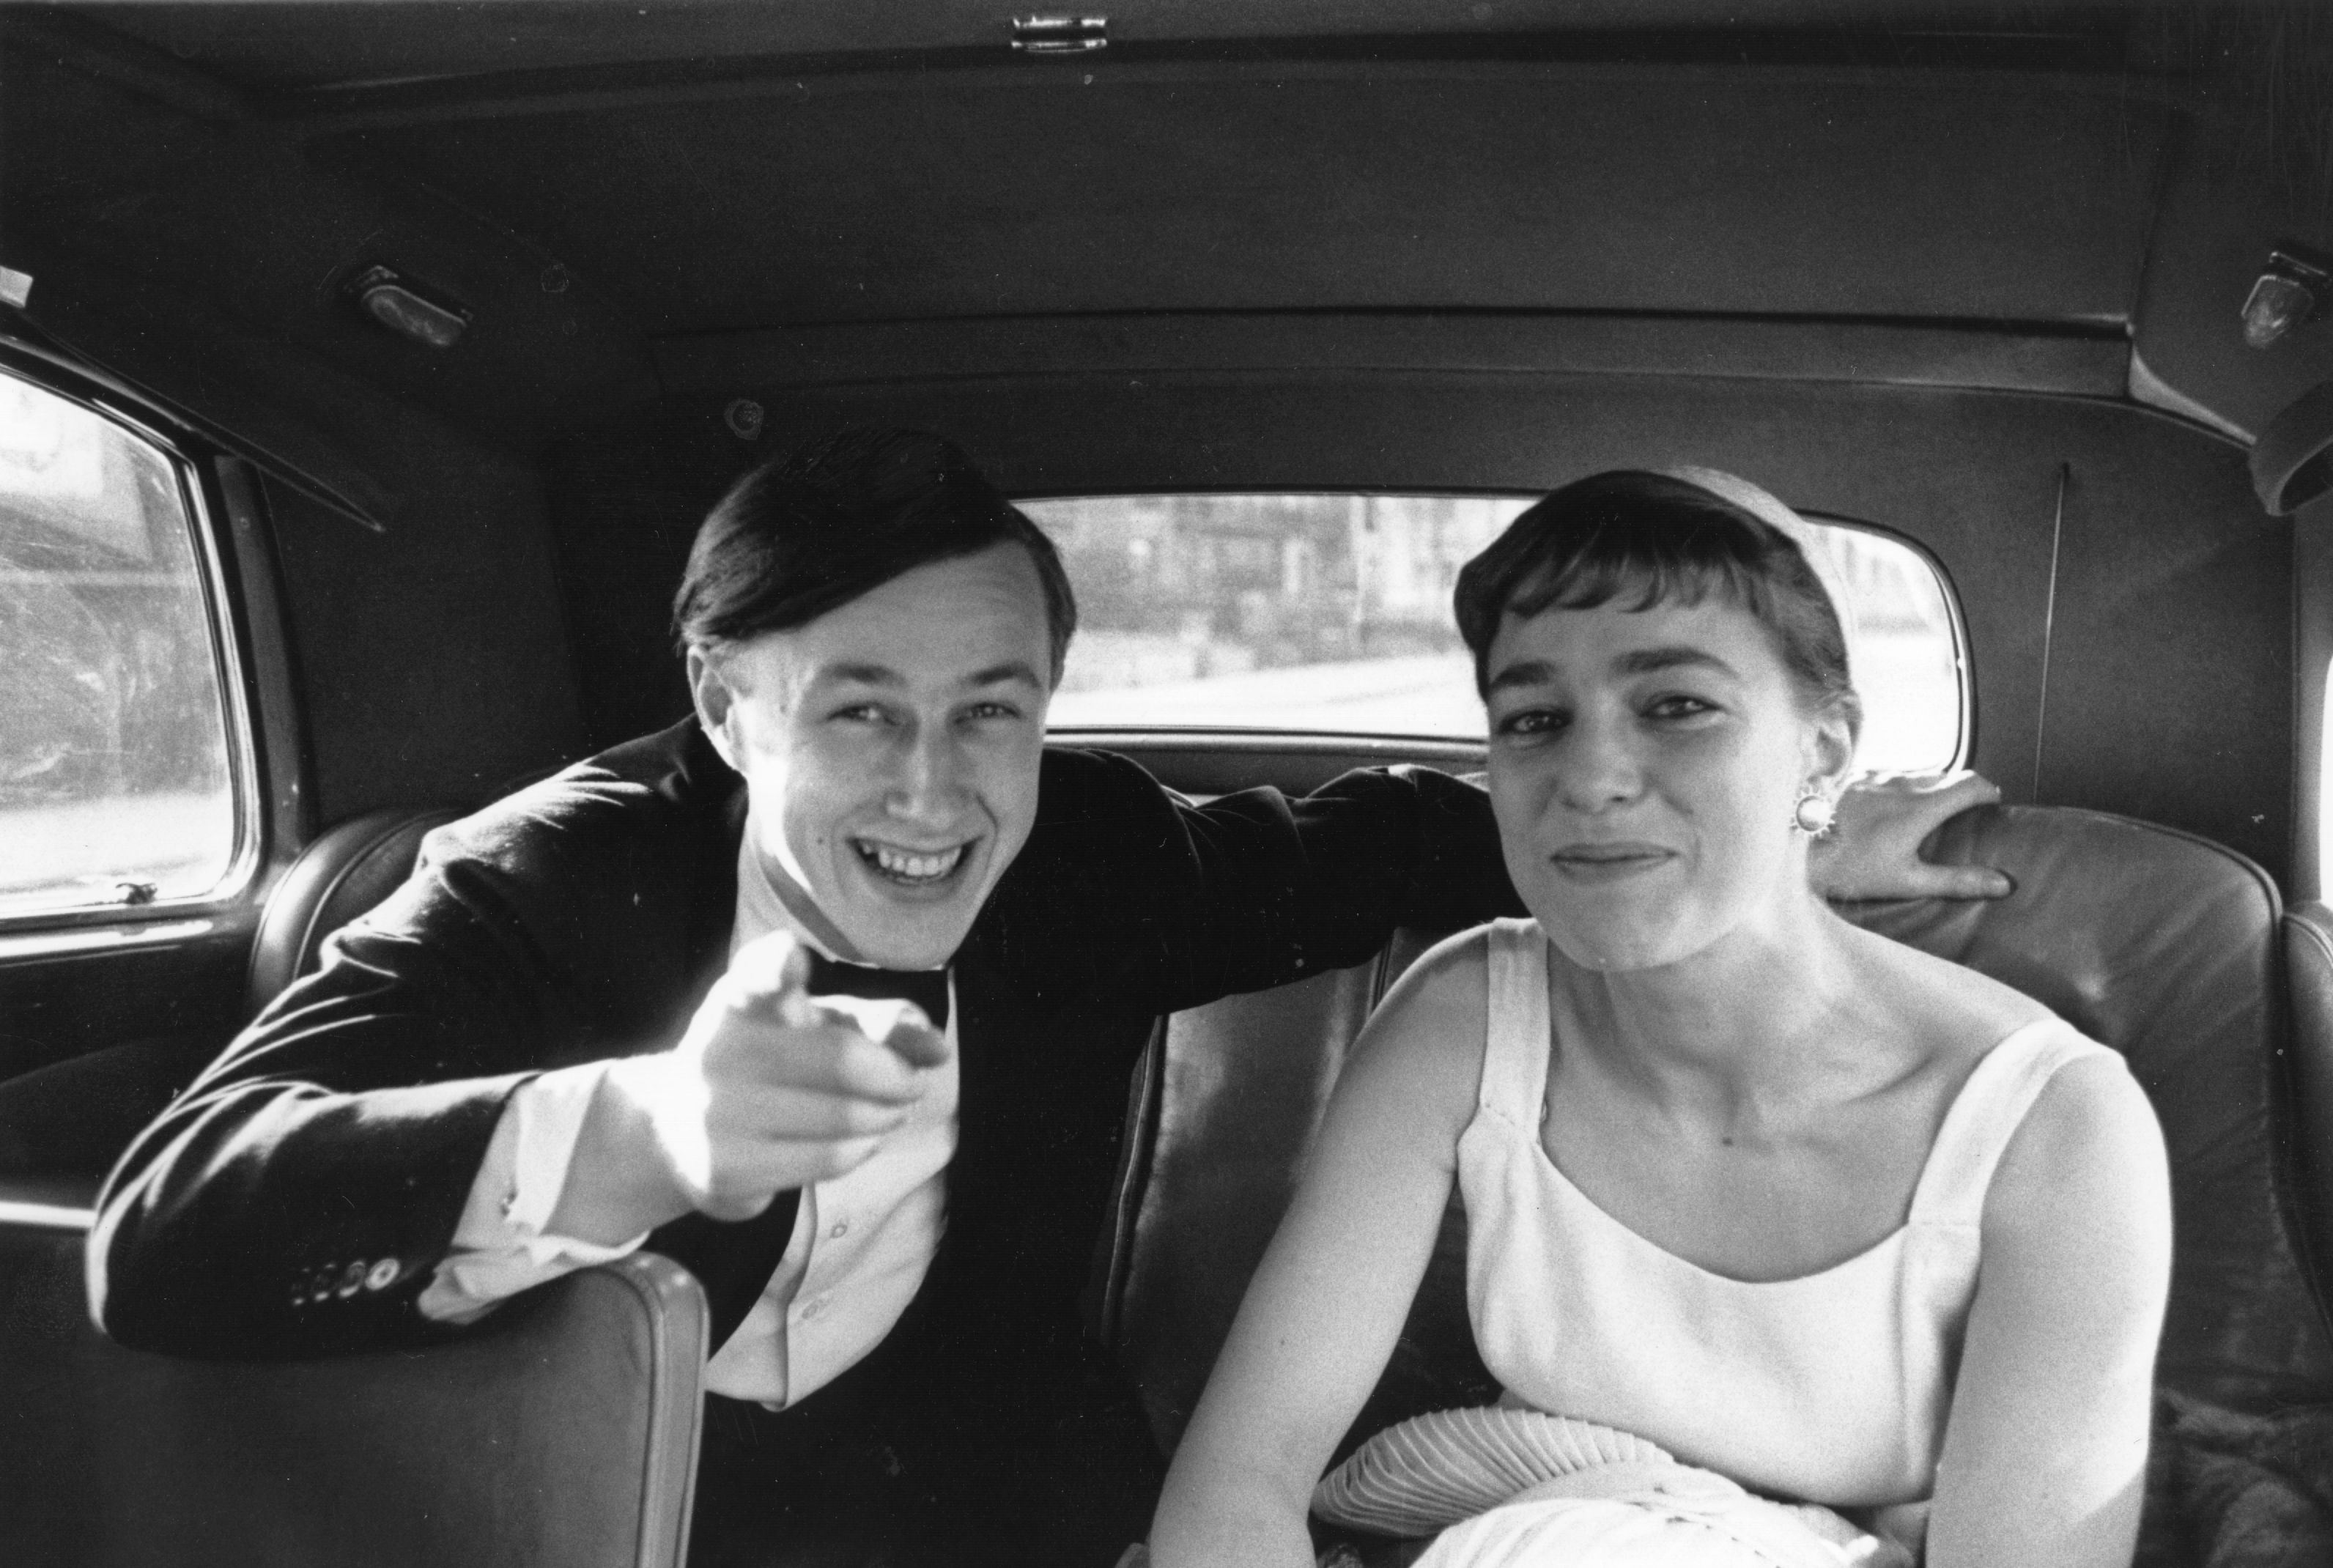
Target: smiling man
<point>831,994</point>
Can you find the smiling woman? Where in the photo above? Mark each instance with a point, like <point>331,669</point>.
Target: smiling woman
<point>1737,1245</point>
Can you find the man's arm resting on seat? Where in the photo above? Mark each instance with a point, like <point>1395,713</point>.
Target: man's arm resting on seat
<point>357,1199</point>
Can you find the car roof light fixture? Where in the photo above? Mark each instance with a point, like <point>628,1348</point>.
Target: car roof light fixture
<point>398,304</point>
<point>2290,292</point>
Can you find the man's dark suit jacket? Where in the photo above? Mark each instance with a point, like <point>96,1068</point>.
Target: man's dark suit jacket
<point>300,1195</point>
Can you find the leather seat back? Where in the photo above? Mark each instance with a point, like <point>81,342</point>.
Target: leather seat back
<point>2164,946</point>
<point>342,873</point>
<point>564,1431</point>
<point>2309,969</point>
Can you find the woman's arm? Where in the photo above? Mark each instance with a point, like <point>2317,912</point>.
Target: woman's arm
<point>2045,1454</point>
<point>1329,1297</point>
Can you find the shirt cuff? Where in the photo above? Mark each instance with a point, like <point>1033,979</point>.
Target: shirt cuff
<point>501,1247</point>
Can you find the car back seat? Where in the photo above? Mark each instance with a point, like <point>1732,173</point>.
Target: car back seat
<point>563,1431</point>
<point>2164,946</point>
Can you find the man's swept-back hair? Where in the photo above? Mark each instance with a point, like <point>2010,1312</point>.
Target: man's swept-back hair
<point>1639,539</point>
<point>802,535</point>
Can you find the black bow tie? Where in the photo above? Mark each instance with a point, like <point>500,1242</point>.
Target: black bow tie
<point>926,988</point>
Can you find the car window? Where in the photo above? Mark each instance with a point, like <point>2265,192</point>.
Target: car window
<point>1331,613</point>
<point>115,780</point>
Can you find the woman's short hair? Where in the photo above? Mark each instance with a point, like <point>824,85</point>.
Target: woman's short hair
<point>1639,539</point>
<point>807,533</point>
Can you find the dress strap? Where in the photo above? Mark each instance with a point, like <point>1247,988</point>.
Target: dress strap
<point>1515,1052</point>
<point>1986,1114</point>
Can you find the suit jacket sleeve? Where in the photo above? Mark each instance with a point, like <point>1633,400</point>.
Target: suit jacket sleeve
<point>1256,888</point>
<point>1285,888</point>
<point>299,1196</point>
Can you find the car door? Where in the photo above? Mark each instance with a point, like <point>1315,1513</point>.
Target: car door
<point>148,764</point>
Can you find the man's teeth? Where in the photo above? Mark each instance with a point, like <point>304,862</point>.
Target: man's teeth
<point>909,867</point>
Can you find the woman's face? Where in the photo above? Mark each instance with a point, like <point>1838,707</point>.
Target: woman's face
<point>1644,766</point>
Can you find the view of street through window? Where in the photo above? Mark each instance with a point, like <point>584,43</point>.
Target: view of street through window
<point>1332,614</point>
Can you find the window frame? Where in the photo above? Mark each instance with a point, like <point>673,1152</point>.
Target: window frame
<point>193,461</point>
<point>1102,734</point>
<point>1954,617</point>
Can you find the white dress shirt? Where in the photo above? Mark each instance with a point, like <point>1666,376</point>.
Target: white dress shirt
<point>861,1242</point>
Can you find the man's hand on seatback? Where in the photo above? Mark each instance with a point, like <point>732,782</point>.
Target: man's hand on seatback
<point>1874,851</point>
<point>769,1091</point>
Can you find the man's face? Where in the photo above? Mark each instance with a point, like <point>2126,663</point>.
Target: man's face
<point>891,750</point>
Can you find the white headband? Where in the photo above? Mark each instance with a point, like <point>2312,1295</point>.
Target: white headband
<point>1792,526</point>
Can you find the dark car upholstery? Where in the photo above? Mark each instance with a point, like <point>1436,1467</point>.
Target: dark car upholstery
<point>2161,945</point>
<point>344,872</point>
<point>565,1433</point>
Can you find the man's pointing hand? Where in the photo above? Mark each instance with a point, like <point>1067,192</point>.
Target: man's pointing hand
<point>769,1090</point>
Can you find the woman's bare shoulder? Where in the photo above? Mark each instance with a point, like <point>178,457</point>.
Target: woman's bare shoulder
<point>2090,1145</point>
<point>1449,972</point>
<point>1954,1011</point>
<point>1421,1053</point>
<point>1439,1001</point>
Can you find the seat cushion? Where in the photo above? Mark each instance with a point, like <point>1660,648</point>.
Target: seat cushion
<point>2166,947</point>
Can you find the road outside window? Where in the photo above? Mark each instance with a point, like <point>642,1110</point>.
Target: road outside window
<point>115,787</point>
<point>1331,613</point>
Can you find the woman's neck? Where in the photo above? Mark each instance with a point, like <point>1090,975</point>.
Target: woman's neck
<point>1753,1020</point>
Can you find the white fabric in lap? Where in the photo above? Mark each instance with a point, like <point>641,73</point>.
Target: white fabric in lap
<point>1413,1478</point>
<point>1649,1533</point>
<point>1524,1489</point>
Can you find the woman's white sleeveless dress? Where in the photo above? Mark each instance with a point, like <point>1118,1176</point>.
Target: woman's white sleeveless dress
<point>1832,1387</point>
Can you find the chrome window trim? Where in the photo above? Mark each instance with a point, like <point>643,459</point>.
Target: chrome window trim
<point>23,1214</point>
<point>1396,748</point>
<point>65,941</point>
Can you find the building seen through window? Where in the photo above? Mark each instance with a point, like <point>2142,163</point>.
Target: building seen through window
<point>1331,613</point>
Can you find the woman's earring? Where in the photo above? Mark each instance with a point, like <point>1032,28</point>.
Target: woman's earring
<point>1814,813</point>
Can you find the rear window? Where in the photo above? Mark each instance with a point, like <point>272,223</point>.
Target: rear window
<point>1331,613</point>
